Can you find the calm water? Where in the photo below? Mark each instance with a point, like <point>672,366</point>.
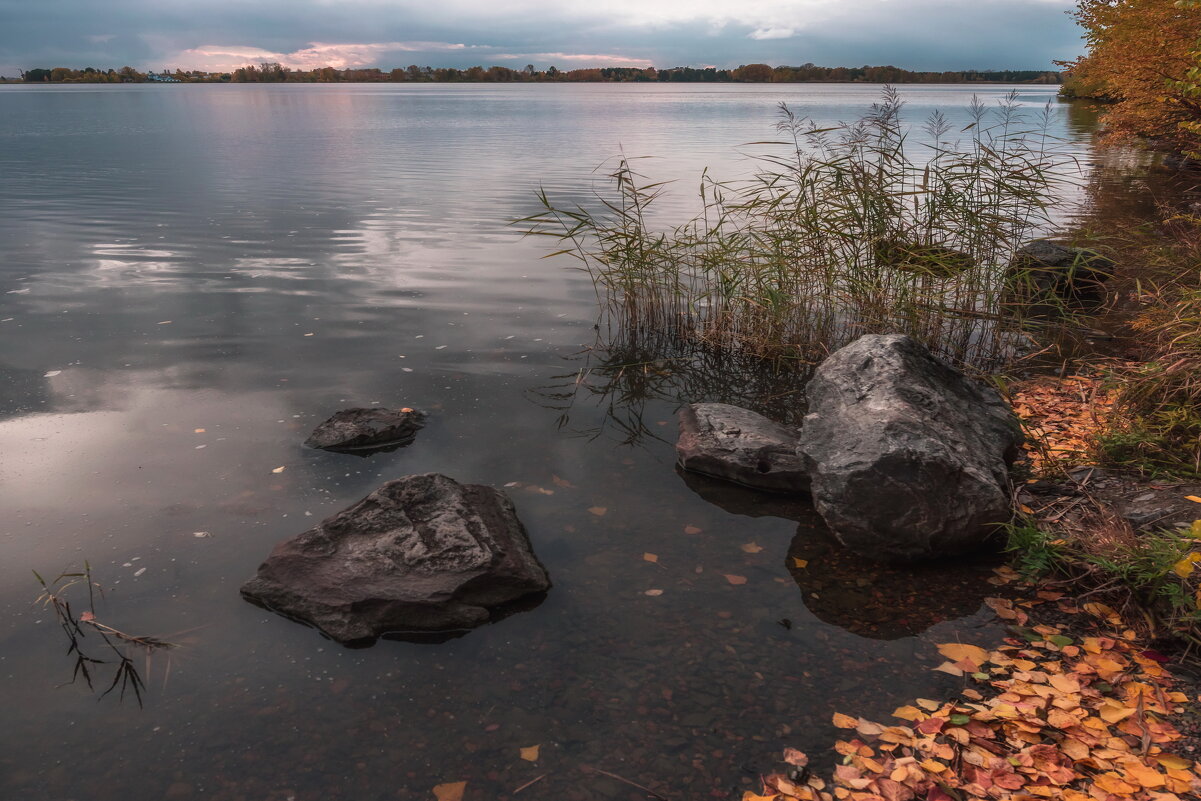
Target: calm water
<point>192,277</point>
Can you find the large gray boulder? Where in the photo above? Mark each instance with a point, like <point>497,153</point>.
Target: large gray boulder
<point>368,429</point>
<point>422,553</point>
<point>907,456</point>
<point>739,445</point>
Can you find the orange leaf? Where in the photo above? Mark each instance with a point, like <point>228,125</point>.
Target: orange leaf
<point>451,791</point>
<point>730,577</point>
<point>650,557</point>
<point>599,511</point>
<point>751,547</point>
<point>530,754</point>
<point>845,721</point>
<point>958,651</point>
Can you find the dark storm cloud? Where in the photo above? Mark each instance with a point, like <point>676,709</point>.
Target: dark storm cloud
<point>929,34</point>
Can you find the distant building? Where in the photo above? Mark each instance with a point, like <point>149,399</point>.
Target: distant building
<point>161,77</point>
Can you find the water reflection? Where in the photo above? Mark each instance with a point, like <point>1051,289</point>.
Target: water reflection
<point>879,600</point>
<point>867,598</point>
<point>619,377</point>
<point>198,278</point>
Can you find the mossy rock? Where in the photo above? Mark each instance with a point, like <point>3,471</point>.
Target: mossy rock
<point>937,261</point>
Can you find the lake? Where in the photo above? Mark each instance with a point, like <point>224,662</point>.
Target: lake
<point>192,277</point>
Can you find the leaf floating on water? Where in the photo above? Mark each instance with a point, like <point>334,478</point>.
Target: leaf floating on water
<point>279,469</point>
<point>530,754</point>
<point>599,511</point>
<point>751,547</point>
<point>796,758</point>
<point>845,721</point>
<point>947,667</point>
<point>451,791</point>
<point>198,431</point>
<point>733,579</point>
<point>653,593</point>
<point>691,529</point>
<point>650,557</point>
<point>164,322</point>
<point>202,534</point>
<point>957,652</point>
<point>52,373</point>
<point>561,482</point>
<point>800,563</point>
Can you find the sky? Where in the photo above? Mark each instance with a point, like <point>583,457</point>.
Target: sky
<point>225,34</point>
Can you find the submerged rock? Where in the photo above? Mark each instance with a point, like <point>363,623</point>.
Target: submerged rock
<point>907,456</point>
<point>367,429</point>
<point>1044,271</point>
<point>421,553</point>
<point>739,445</point>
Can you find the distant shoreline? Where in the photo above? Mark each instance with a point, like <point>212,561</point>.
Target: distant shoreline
<point>270,72</point>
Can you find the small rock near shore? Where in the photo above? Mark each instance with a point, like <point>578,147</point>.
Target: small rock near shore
<point>907,456</point>
<point>739,445</point>
<point>367,429</point>
<point>422,553</point>
<point>1043,270</point>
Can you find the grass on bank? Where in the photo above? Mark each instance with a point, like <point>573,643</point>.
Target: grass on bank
<point>1149,577</point>
<point>1155,427</point>
<point>1149,423</point>
<point>847,230</point>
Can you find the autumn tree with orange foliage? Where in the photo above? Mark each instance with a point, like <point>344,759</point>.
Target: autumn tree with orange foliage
<point>1146,56</point>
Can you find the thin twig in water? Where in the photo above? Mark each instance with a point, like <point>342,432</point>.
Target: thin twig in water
<point>624,780</point>
<point>530,783</point>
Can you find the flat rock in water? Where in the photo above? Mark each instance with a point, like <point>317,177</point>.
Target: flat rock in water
<point>367,429</point>
<point>907,456</point>
<point>739,445</point>
<point>422,553</point>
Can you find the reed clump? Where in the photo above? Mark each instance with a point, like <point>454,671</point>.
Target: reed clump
<point>847,230</point>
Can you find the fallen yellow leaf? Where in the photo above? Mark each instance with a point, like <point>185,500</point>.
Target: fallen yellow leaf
<point>653,593</point>
<point>751,547</point>
<point>599,511</point>
<point>451,791</point>
<point>530,754</point>
<point>958,651</point>
<point>1173,762</point>
<point>692,529</point>
<point>947,667</point>
<point>735,579</point>
<point>279,469</point>
<point>845,721</point>
<point>799,563</point>
<point>1184,568</point>
<point>909,713</point>
<point>1193,498</point>
<point>650,557</point>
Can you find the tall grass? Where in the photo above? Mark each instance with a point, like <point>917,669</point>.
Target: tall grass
<point>847,230</point>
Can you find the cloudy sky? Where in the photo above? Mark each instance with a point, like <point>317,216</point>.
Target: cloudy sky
<point>221,34</point>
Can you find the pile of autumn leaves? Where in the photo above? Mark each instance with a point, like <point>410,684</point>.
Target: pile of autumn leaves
<point>1051,718</point>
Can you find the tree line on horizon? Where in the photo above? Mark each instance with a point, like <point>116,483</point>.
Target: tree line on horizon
<point>274,72</point>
